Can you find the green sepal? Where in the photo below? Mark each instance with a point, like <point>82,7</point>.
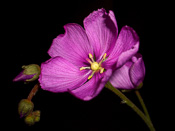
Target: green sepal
<point>25,107</point>
<point>32,69</point>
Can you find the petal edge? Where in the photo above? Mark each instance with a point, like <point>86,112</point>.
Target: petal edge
<point>101,31</point>
<point>73,45</point>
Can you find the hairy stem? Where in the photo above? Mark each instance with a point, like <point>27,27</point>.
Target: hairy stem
<point>33,91</point>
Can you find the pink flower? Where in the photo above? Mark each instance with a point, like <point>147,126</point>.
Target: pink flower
<point>130,75</point>
<point>83,59</point>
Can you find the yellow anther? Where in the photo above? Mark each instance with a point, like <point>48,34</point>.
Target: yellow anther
<point>91,57</point>
<point>90,77</point>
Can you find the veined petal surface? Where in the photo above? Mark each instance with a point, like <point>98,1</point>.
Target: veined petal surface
<point>93,87</point>
<point>73,45</point>
<point>59,75</point>
<point>102,31</point>
<point>126,46</point>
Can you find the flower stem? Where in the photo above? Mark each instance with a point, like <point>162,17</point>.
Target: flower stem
<point>142,104</point>
<point>131,104</point>
<point>33,91</point>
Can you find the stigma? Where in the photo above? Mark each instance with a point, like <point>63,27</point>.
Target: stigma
<point>94,66</point>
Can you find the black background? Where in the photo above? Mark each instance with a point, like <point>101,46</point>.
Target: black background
<point>28,31</point>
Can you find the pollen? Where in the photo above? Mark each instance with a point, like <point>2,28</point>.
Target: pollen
<point>94,66</point>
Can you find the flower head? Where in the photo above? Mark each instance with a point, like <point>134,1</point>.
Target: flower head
<point>83,59</point>
<point>130,75</point>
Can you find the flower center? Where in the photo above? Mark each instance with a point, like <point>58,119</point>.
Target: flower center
<point>95,66</point>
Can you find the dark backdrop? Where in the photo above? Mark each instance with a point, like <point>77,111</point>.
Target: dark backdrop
<point>29,28</point>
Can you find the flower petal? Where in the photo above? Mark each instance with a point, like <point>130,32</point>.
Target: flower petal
<point>93,87</point>
<point>59,75</point>
<point>22,77</point>
<point>137,71</point>
<point>121,79</point>
<point>126,46</point>
<point>102,31</point>
<point>73,45</point>
<point>112,16</point>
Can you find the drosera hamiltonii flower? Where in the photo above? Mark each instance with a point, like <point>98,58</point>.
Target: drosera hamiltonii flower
<point>130,75</point>
<point>83,59</point>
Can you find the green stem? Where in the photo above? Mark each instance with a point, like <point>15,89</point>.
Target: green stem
<point>142,104</point>
<point>132,105</point>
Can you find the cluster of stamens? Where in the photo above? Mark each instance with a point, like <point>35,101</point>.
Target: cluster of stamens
<point>95,66</point>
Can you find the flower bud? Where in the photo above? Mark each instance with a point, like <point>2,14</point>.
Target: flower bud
<point>130,75</point>
<point>30,73</point>
<point>25,107</point>
<point>37,115</point>
<point>29,120</point>
<point>32,118</point>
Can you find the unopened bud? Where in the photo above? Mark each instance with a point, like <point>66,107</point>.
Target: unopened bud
<point>32,118</point>
<point>25,107</point>
<point>37,115</point>
<point>30,73</point>
<point>29,120</point>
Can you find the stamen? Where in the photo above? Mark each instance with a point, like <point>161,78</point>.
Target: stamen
<point>101,70</point>
<point>83,68</point>
<point>95,66</point>
<point>104,57</point>
<point>91,57</point>
<point>91,75</point>
<point>88,60</point>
